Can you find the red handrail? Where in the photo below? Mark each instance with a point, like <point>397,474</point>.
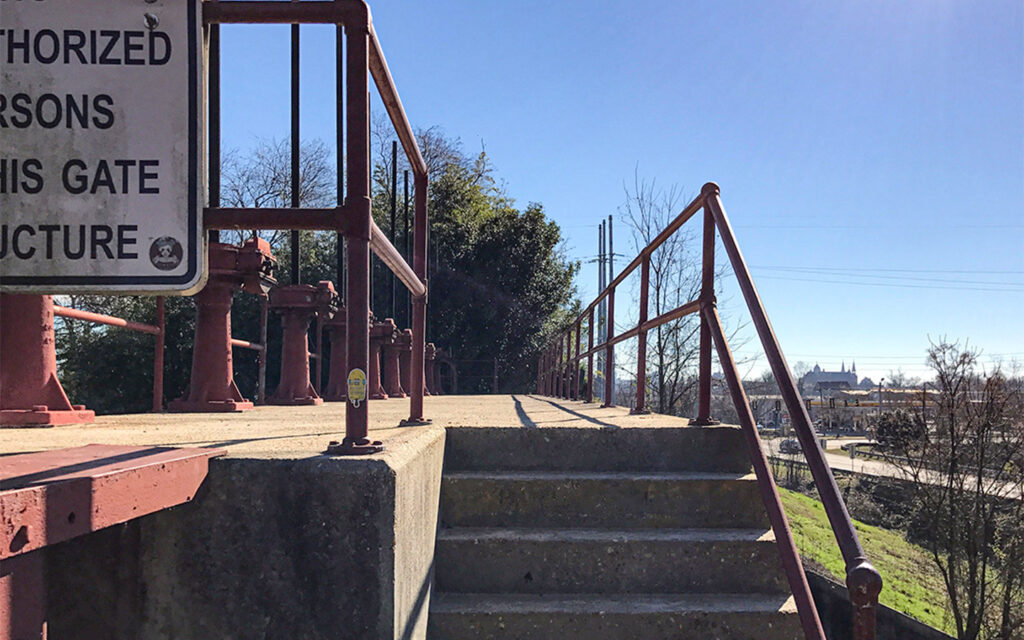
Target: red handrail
<point>555,371</point>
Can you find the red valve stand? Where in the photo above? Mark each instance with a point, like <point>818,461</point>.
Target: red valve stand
<point>30,393</point>
<point>212,386</point>
<point>298,305</point>
<point>430,369</point>
<point>337,379</point>
<point>381,333</point>
<point>392,369</point>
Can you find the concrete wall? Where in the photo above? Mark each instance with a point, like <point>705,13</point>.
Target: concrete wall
<point>836,614</point>
<point>318,548</point>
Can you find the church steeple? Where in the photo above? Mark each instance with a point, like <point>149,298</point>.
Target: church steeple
<point>843,370</point>
<point>853,368</point>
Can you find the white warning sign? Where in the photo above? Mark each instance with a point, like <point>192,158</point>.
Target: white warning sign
<point>100,145</point>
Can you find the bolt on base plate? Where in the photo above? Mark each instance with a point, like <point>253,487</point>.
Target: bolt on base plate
<point>348,447</point>
<point>704,423</point>
<point>420,422</point>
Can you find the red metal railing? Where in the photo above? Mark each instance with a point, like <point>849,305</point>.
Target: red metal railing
<point>363,57</point>
<point>559,371</point>
<point>159,331</point>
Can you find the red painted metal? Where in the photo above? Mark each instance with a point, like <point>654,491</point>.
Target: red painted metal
<point>23,597</point>
<point>640,405</point>
<point>212,386</point>
<point>299,305</point>
<point>430,368</point>
<point>357,274</point>
<point>862,579</point>
<point>158,357</point>
<point>576,362</point>
<point>707,299</point>
<point>99,318</point>
<point>609,353</point>
<point>155,330</point>
<point>30,393</point>
<point>403,342</point>
<point>241,219</point>
<point>769,493</point>
<point>381,333</point>
<point>392,367</point>
<point>53,496</point>
<point>590,355</point>
<point>337,383</point>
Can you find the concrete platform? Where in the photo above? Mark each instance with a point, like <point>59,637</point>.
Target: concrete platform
<point>282,541</point>
<point>273,432</point>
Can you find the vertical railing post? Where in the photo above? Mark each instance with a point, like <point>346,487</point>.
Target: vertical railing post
<point>641,339</point>
<point>158,357</point>
<point>419,305</point>
<point>590,356</point>
<point>707,300</point>
<point>560,369</point>
<point>358,204</point>
<point>576,361</point>
<point>609,352</point>
<point>568,364</point>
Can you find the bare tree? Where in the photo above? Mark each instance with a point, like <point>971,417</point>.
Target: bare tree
<point>967,473</point>
<point>262,178</point>
<point>675,279</point>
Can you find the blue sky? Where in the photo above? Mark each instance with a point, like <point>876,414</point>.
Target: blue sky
<point>856,144</point>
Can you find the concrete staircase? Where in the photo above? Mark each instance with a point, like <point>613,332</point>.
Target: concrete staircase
<point>599,533</point>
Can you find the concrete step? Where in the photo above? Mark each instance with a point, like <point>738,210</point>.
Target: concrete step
<point>605,499</point>
<point>471,560</point>
<point>716,449</point>
<point>601,617</point>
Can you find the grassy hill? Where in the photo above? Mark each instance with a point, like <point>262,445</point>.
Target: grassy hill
<point>913,584</point>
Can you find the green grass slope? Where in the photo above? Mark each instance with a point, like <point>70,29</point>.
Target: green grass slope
<point>913,584</point>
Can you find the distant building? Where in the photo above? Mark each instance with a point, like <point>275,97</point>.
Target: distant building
<point>818,381</point>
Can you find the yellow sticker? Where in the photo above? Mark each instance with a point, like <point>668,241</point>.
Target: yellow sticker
<point>356,386</point>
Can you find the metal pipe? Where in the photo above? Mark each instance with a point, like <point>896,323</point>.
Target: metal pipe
<point>641,346</point>
<point>358,272</point>
<point>419,303</point>
<point>590,356</point>
<point>394,213</point>
<point>340,12</point>
<point>609,354</point>
<point>213,115</point>
<point>610,365</point>
<point>158,357</point>
<point>406,239</point>
<point>862,579</point>
<point>339,131</point>
<point>245,344</point>
<point>707,298</point>
<point>238,218</point>
<point>766,483</point>
<point>99,318</point>
<point>389,255</point>
<point>393,104</point>
<point>576,362</point>
<point>295,152</point>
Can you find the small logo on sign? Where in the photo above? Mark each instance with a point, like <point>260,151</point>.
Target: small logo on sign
<point>356,386</point>
<point>165,253</point>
